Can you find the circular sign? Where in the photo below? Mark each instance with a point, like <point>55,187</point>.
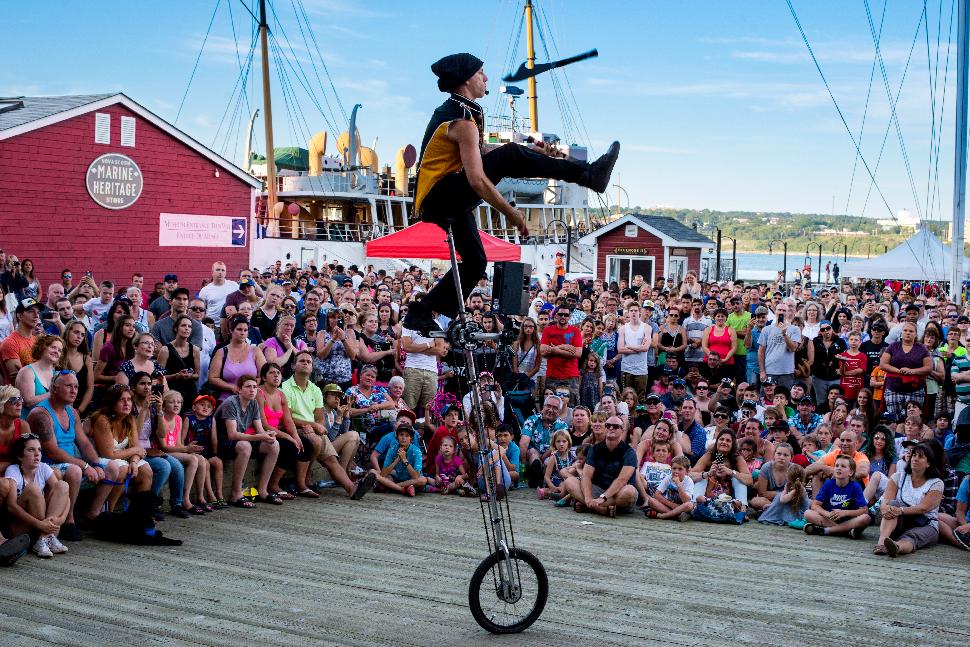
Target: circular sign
<point>114,181</point>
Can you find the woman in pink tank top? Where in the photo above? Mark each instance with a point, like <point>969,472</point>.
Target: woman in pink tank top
<point>720,338</point>
<point>297,451</point>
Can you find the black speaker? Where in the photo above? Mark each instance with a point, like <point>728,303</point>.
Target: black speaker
<point>510,288</point>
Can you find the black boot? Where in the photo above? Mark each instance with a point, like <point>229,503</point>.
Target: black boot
<point>534,474</point>
<point>597,176</point>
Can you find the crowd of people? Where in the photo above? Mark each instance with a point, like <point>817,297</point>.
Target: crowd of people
<point>828,410</point>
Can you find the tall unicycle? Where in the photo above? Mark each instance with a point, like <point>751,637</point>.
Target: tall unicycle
<point>508,590</point>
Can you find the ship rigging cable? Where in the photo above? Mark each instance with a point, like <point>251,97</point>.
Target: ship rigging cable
<point>848,130</point>
<point>932,174</point>
<point>939,134</point>
<point>196,66</point>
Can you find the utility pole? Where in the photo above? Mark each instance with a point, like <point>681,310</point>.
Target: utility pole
<point>960,156</point>
<point>268,112</point>
<point>530,62</point>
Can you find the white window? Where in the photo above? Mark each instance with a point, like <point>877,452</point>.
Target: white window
<point>102,128</point>
<point>128,131</point>
<point>630,231</point>
<point>624,267</point>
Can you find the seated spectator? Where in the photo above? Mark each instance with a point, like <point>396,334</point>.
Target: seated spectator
<point>76,357</point>
<point>536,437</point>
<point>848,445</point>
<point>450,423</point>
<point>297,450</point>
<point>164,328</point>
<point>115,435</point>
<point>960,531</point>
<point>165,468</point>
<point>12,426</point>
<point>489,391</point>
<point>840,507</point>
<point>103,331</point>
<point>608,483</point>
<point>119,348</point>
<point>881,452</point>
<point>200,428</point>
<point>34,379</point>
<point>143,362</point>
<point>234,417</point>
<point>772,477</point>
<point>181,361</point>
<point>674,495</point>
<point>449,475</point>
<point>721,471</point>
<point>561,458</point>
<point>367,401</point>
<point>12,547</point>
<point>235,360</point>
<point>171,436</point>
<point>401,471</point>
<point>336,423</point>
<point>39,500</point>
<point>15,349</point>
<point>508,450</point>
<point>67,449</point>
<point>909,506</point>
<point>282,348</point>
<point>788,508</point>
<point>336,350</point>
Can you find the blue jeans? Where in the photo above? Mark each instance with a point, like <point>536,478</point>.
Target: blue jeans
<point>166,468</point>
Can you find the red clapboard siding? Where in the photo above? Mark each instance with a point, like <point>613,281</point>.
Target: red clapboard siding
<point>47,215</point>
<point>608,242</point>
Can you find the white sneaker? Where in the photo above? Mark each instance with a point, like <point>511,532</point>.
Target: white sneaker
<point>41,549</point>
<point>55,545</point>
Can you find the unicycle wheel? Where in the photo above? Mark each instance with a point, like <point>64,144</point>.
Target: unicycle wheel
<point>507,607</point>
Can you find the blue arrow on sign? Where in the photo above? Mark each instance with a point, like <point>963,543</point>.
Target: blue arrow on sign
<point>238,232</point>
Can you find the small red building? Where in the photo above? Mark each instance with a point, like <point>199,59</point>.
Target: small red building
<point>651,246</point>
<point>99,183</point>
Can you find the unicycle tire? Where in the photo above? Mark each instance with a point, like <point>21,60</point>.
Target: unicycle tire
<point>530,573</point>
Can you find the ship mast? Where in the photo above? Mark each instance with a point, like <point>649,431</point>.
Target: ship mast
<point>531,63</point>
<point>268,112</point>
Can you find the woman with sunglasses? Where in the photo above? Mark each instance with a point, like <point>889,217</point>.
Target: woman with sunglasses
<point>12,426</point>
<point>34,380</point>
<point>42,500</point>
<point>76,357</point>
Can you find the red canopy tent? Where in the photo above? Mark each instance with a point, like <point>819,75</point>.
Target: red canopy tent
<point>427,240</point>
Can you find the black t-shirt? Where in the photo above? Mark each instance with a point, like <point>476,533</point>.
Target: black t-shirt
<point>607,464</point>
<point>873,351</point>
<point>825,366</point>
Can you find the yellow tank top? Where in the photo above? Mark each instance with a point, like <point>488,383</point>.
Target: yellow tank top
<point>441,158</point>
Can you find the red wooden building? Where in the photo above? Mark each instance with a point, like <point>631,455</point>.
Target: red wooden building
<point>99,183</point>
<point>652,246</point>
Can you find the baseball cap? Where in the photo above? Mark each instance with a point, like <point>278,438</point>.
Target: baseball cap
<point>678,382</point>
<point>171,277</point>
<point>26,304</point>
<point>780,424</point>
<point>769,381</point>
<point>205,398</point>
<point>807,399</point>
<point>824,322</point>
<point>760,310</point>
<point>407,413</point>
<point>546,307</point>
<point>332,388</point>
<point>749,404</point>
<point>247,283</point>
<point>648,304</point>
<point>653,397</point>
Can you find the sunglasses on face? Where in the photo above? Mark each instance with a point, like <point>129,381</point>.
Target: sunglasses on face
<point>15,401</point>
<point>197,309</point>
<point>720,416</point>
<point>613,425</point>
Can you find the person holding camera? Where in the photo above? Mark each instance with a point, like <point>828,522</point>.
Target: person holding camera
<point>776,348</point>
<point>336,350</point>
<point>490,391</point>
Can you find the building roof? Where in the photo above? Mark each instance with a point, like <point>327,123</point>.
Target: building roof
<point>669,230</point>
<point>17,111</point>
<point>19,115</point>
<point>674,229</point>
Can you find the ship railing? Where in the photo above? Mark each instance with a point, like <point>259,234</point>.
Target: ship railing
<point>296,228</point>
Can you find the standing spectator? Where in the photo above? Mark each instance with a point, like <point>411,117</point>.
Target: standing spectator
<point>336,350</point>
<point>634,342</point>
<point>776,349</point>
<point>197,312</point>
<point>267,315</point>
<point>420,367</point>
<point>214,294</point>
<point>562,344</point>
<point>823,355</point>
<point>13,280</point>
<point>15,351</point>
<point>164,328</point>
<point>95,308</point>
<point>738,320</point>
<point>160,304</point>
<point>695,325</point>
<point>906,363</point>
<point>281,348</point>
<point>181,359</point>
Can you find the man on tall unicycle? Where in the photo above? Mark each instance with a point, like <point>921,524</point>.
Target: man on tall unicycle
<point>456,172</point>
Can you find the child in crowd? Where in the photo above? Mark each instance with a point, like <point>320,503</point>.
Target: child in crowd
<point>449,470</point>
<point>749,452</point>
<point>852,366</point>
<point>824,434</point>
<point>509,451</point>
<point>201,430</point>
<point>788,507</point>
<point>450,421</point>
<point>172,439</point>
<point>674,497</point>
<point>591,382</point>
<point>655,470</point>
<point>839,507</point>
<point>402,469</point>
<point>575,470</point>
<point>562,457</point>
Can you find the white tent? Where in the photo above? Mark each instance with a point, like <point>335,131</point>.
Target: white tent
<point>923,257</point>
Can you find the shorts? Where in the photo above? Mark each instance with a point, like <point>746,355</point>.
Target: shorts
<point>921,537</point>
<point>289,455</point>
<point>597,491</point>
<point>62,467</point>
<point>227,448</point>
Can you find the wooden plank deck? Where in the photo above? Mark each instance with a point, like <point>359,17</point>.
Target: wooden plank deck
<point>394,571</point>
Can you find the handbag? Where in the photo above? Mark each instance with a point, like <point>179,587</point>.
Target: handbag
<point>908,521</point>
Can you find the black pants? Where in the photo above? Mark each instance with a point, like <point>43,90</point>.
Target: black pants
<point>453,201</point>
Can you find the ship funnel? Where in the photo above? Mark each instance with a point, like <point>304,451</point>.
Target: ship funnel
<point>318,148</point>
<point>405,159</point>
<point>345,149</point>
<point>368,158</point>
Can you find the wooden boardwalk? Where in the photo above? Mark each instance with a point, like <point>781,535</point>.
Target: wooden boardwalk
<point>394,571</point>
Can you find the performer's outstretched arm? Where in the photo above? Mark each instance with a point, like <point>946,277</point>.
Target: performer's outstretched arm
<point>466,135</point>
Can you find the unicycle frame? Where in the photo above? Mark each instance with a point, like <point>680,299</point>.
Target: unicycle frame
<point>496,529</point>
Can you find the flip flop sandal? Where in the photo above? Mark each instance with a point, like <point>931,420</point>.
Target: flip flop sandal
<point>284,495</point>
<point>891,547</point>
<point>271,499</point>
<point>197,510</point>
<point>13,549</point>
<point>308,494</point>
<point>879,549</point>
<point>207,507</point>
<point>579,506</point>
<point>220,504</point>
<point>242,503</point>
<point>611,511</point>
<point>364,486</point>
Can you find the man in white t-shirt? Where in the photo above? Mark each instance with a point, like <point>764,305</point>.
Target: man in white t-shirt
<point>420,367</point>
<point>633,343</point>
<point>214,294</point>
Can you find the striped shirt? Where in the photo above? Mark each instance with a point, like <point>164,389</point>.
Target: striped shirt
<point>961,363</point>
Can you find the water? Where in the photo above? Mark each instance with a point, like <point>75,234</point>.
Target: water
<point>765,267</point>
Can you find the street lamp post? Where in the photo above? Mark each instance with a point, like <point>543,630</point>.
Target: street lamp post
<point>618,189</point>
<point>734,256</point>
<point>845,251</point>
<point>569,236</point>
<point>819,245</point>
<point>784,265</point>
<point>717,256</point>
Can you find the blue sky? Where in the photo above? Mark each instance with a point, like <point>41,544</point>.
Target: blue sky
<point>718,105</point>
